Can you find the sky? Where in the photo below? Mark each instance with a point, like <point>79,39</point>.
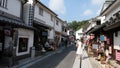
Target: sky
<point>75,10</point>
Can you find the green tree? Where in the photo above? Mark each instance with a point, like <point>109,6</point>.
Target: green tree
<point>75,25</point>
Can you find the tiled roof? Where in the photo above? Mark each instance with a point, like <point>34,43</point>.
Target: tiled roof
<point>12,20</point>
<point>40,24</point>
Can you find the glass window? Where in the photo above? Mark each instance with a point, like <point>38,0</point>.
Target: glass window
<point>3,3</point>
<point>41,11</point>
<point>23,44</point>
<point>98,22</point>
<point>57,22</point>
<point>51,18</point>
<point>44,33</point>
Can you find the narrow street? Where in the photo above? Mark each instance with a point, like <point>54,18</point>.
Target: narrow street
<point>33,33</point>
<point>62,59</point>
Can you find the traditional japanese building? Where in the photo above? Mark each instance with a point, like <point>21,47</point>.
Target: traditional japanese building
<point>44,20</point>
<point>24,22</point>
<point>112,16</point>
<point>14,28</point>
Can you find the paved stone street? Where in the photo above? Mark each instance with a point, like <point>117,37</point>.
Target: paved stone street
<point>61,58</point>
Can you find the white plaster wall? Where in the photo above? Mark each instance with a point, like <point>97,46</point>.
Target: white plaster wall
<point>105,6</point>
<point>65,25</point>
<point>68,32</point>
<point>79,31</point>
<point>26,13</point>
<point>13,7</point>
<point>58,27</point>
<point>93,24</point>
<point>117,41</point>
<point>46,16</point>
<point>27,34</point>
<point>51,34</point>
<point>89,27</point>
<point>102,19</point>
<point>113,10</point>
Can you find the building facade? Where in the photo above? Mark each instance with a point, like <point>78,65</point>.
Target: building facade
<point>44,20</point>
<point>108,30</point>
<point>17,29</point>
<point>58,31</point>
<point>24,22</point>
<point>112,14</point>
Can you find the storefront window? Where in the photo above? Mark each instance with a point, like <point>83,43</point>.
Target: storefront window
<point>23,44</point>
<point>44,34</point>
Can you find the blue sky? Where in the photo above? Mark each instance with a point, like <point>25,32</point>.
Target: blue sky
<point>70,10</point>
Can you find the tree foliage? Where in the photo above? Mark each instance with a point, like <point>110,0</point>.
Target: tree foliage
<point>75,25</point>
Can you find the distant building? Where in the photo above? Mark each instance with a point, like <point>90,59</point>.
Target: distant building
<point>79,33</point>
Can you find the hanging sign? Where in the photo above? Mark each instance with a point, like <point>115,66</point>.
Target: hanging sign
<point>117,55</point>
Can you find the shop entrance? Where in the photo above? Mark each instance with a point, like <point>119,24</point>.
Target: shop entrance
<point>42,35</point>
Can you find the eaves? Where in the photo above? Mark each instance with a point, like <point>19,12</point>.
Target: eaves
<point>107,8</point>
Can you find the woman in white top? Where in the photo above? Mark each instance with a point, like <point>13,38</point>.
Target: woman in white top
<point>79,45</point>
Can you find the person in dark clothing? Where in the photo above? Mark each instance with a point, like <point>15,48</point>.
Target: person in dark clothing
<point>66,41</point>
<point>39,45</point>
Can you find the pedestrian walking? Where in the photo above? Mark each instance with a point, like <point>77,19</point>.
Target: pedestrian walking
<point>79,45</point>
<point>66,41</point>
<point>80,48</point>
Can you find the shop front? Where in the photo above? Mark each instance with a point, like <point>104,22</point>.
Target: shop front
<point>57,38</point>
<point>12,32</point>
<point>113,27</point>
<point>101,43</point>
<point>24,41</point>
<point>40,34</point>
<point>5,38</point>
